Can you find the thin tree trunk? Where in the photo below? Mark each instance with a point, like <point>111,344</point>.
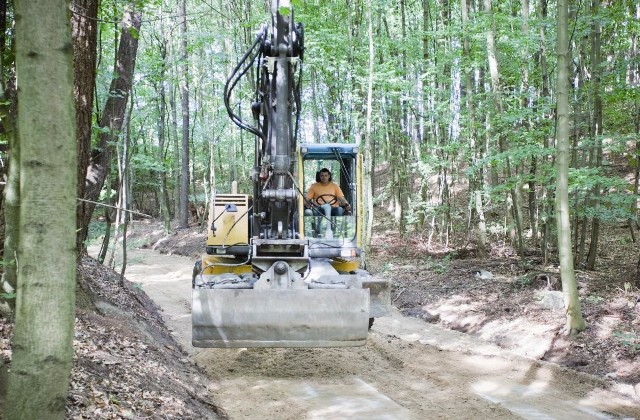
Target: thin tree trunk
<point>496,87</point>
<point>162,99</point>
<point>102,255</point>
<point>9,278</point>
<point>184,94</point>
<point>477,180</point>
<point>575,321</point>
<point>596,127</point>
<point>368,159</point>
<point>176,170</point>
<point>125,195</point>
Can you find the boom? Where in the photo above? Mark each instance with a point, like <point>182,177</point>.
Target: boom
<point>277,55</point>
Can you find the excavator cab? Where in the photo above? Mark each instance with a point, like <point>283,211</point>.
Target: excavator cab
<point>343,162</point>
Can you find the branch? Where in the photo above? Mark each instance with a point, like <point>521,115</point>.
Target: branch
<point>114,207</point>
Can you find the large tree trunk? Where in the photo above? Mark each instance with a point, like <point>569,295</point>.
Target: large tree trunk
<point>84,30</point>
<point>113,112</point>
<point>45,307</point>
<point>575,322</point>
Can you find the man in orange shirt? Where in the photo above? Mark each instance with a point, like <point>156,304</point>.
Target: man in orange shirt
<point>326,197</point>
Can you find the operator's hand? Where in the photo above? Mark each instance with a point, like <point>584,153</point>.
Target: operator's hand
<point>347,208</point>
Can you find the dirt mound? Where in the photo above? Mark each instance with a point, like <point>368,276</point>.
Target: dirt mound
<point>515,303</point>
<point>126,364</point>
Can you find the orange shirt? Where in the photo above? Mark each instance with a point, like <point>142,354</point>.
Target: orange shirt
<point>317,189</point>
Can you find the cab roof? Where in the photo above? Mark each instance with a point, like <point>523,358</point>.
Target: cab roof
<point>328,150</point>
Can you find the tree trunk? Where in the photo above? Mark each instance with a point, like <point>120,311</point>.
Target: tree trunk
<point>184,94</point>
<point>125,202</point>
<point>575,322</point>
<point>8,281</point>
<point>176,170</point>
<point>596,128</point>
<point>113,113</point>
<point>45,306</point>
<point>9,278</point>
<point>368,159</point>
<point>104,248</point>
<point>162,128</point>
<point>476,182</point>
<point>496,88</point>
<point>84,29</point>
<point>546,197</point>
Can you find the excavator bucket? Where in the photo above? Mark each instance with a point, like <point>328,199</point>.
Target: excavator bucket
<point>280,318</point>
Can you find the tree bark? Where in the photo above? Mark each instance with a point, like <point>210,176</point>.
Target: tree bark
<point>575,322</point>
<point>184,95</point>
<point>84,30</point>
<point>113,113</point>
<point>162,129</point>
<point>476,182</point>
<point>596,128</point>
<point>45,306</point>
<point>368,159</point>
<point>496,89</point>
<point>11,203</point>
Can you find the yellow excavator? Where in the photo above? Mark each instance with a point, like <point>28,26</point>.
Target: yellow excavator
<point>272,276</point>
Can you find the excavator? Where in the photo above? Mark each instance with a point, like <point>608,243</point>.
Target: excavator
<point>270,275</point>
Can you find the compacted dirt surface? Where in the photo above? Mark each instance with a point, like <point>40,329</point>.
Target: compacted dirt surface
<point>408,369</point>
<point>471,338</point>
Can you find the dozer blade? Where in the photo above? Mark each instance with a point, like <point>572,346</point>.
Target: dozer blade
<point>280,318</point>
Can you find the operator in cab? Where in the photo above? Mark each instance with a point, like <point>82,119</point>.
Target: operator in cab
<point>326,197</point>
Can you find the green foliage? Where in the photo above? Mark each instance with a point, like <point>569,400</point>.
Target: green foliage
<point>4,263</point>
<point>614,203</point>
<point>387,267</point>
<point>438,265</point>
<point>284,11</point>
<point>594,299</point>
<point>523,282</point>
<point>96,230</point>
<point>629,339</point>
<point>419,99</point>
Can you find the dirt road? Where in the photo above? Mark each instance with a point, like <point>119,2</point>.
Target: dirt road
<point>408,370</point>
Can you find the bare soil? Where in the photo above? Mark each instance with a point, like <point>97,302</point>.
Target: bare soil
<point>446,288</point>
<point>458,356</point>
<point>507,307</point>
<point>126,362</point>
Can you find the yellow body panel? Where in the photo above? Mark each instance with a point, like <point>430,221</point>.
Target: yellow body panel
<point>345,266</point>
<point>231,228</point>
<point>219,265</point>
<point>300,196</point>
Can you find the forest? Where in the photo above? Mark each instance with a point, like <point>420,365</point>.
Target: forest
<point>487,125</point>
